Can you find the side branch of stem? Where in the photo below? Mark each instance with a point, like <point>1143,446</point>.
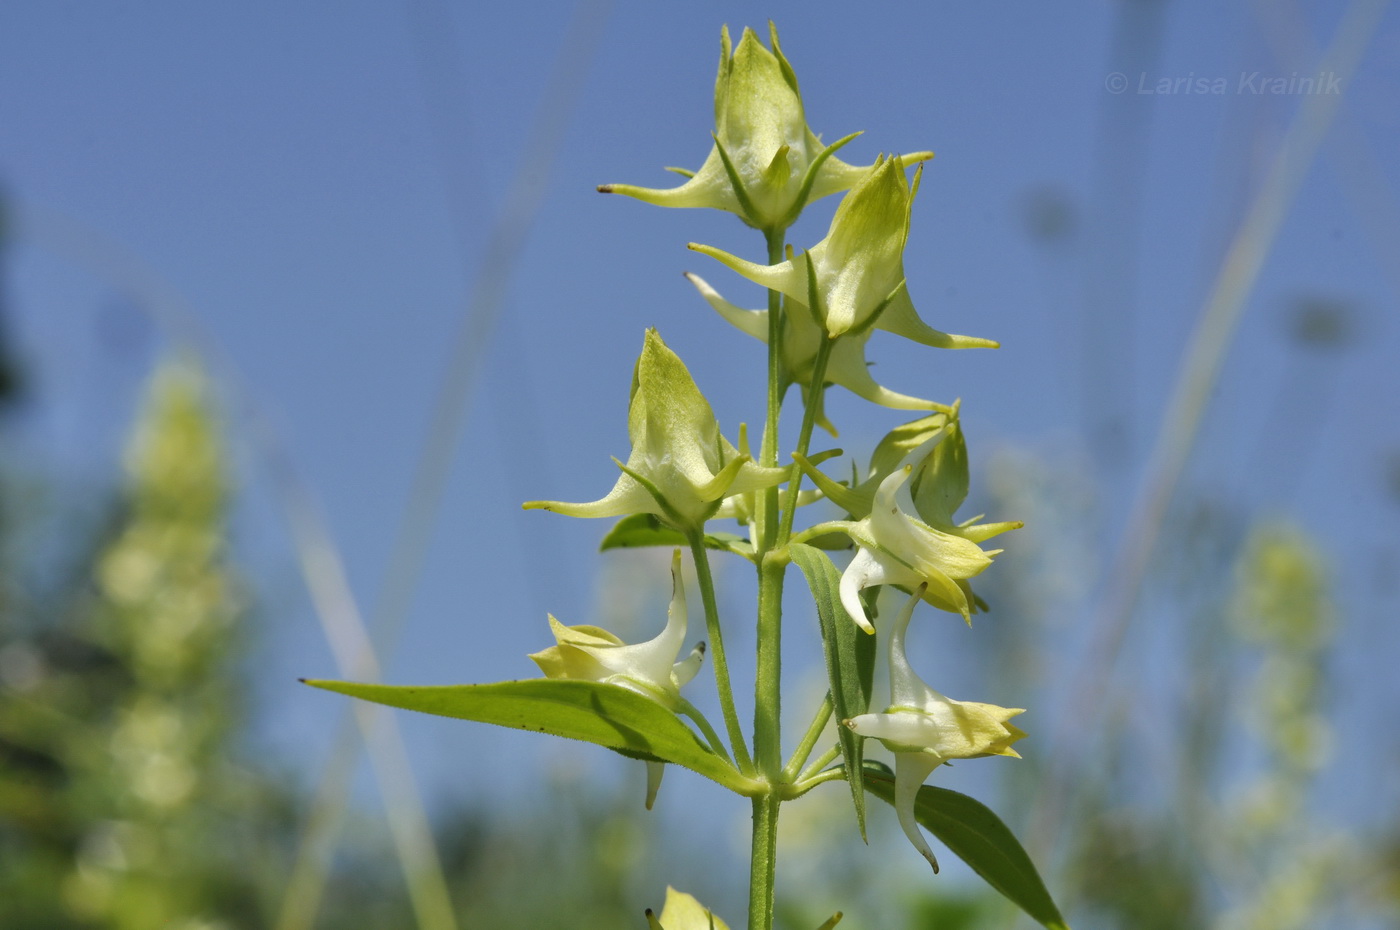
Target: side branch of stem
<point>701,556</point>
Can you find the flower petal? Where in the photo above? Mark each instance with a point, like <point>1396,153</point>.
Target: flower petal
<point>655,770</point>
<point>684,912</point>
<point>863,572</point>
<point>900,317</point>
<point>910,771</point>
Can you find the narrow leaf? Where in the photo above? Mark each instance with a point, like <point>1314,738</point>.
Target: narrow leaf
<point>850,658</point>
<point>978,837</point>
<point>591,711</point>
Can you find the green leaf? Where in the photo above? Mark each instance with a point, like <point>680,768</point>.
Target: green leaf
<point>850,658</point>
<point>978,837</point>
<point>645,529</point>
<point>591,711</point>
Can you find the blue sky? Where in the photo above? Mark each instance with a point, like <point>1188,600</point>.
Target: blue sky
<point>318,182</point>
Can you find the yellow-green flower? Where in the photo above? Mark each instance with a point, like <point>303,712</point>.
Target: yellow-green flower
<point>651,669</point>
<point>680,467</point>
<point>801,336</point>
<point>589,653</point>
<point>903,518</point>
<point>857,271</point>
<point>766,164</point>
<point>684,912</point>
<point>896,548</point>
<point>924,729</point>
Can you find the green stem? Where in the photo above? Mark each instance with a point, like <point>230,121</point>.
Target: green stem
<point>768,450</point>
<point>819,763</point>
<point>717,744</point>
<point>767,734</point>
<point>701,557</point>
<point>814,733</point>
<point>767,712</point>
<point>762,867</point>
<point>804,438</point>
<point>807,784</point>
<point>768,678</point>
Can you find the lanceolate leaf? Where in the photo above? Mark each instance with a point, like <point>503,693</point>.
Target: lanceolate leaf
<point>850,658</point>
<point>978,837</point>
<point>594,712</point>
<point>644,529</point>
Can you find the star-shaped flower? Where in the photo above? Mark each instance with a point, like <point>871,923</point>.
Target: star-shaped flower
<point>766,164</point>
<point>857,271</point>
<point>903,518</point>
<point>589,653</point>
<point>802,335</point>
<point>680,467</point>
<point>652,669</point>
<point>684,912</point>
<point>895,548</point>
<point>924,729</point>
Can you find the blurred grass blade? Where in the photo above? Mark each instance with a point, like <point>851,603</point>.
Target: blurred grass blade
<point>322,569</point>
<point>1215,330</point>
<point>850,658</point>
<point>978,837</point>
<point>590,711</point>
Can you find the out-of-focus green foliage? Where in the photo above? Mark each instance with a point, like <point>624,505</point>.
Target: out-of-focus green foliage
<point>581,858</point>
<point>127,798</point>
<point>128,801</point>
<point>123,801</point>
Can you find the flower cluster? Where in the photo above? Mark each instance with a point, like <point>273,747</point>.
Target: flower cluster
<point>825,304</point>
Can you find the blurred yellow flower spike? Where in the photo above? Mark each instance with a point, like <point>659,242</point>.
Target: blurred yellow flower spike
<point>683,912</point>
<point>854,278</point>
<point>766,163</point>
<point>924,729</point>
<point>680,468</point>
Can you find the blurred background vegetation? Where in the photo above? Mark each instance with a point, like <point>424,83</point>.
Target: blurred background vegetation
<point>130,797</point>
<point>1200,767</point>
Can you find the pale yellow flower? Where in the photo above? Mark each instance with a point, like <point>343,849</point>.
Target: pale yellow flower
<point>924,729</point>
<point>651,669</point>
<point>766,164</point>
<point>856,273</point>
<point>680,467</point>
<point>684,912</point>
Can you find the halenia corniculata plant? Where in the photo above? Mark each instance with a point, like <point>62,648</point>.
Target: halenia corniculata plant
<point>766,166</point>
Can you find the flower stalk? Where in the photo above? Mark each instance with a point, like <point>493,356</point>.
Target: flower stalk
<point>768,671</point>
<point>824,304</point>
<point>705,578</point>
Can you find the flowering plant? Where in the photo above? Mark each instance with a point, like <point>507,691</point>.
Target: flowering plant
<point>682,475</point>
